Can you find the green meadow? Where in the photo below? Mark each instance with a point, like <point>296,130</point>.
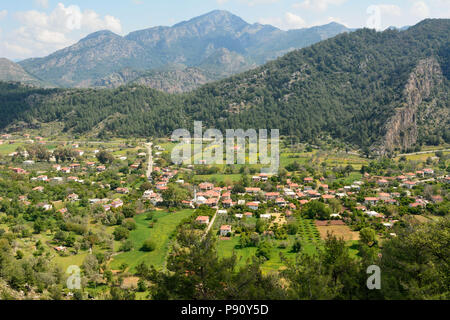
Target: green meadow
<point>160,234</point>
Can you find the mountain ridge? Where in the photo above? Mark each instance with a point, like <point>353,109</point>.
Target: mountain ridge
<point>188,44</point>
<point>381,92</point>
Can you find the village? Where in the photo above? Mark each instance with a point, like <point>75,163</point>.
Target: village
<point>79,198</point>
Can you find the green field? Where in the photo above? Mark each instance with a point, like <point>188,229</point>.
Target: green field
<point>226,248</point>
<point>167,222</point>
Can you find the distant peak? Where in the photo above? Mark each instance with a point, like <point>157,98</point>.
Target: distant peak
<point>216,15</point>
<point>101,33</point>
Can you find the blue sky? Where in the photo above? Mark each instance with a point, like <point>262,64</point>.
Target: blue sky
<point>33,28</point>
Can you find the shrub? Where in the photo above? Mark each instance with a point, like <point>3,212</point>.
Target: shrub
<point>148,246</point>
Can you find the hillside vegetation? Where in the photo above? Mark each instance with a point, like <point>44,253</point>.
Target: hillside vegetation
<point>375,90</point>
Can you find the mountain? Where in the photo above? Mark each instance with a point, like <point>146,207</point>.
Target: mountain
<point>10,71</point>
<point>220,41</point>
<point>379,91</point>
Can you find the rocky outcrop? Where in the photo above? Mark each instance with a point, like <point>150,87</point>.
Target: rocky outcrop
<point>402,130</point>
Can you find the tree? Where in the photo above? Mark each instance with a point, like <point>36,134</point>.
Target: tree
<point>297,246</point>
<point>105,157</point>
<point>264,250</point>
<point>174,195</point>
<point>415,263</point>
<point>317,210</point>
<point>121,233</point>
<point>368,236</point>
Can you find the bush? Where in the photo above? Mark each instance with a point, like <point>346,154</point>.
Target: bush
<point>264,250</point>
<point>129,224</point>
<point>297,246</point>
<point>121,233</point>
<point>127,246</point>
<point>148,246</point>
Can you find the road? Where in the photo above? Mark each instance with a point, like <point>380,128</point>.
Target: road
<point>211,224</point>
<point>422,152</point>
<point>150,160</point>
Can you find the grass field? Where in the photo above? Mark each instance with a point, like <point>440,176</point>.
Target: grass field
<point>339,231</point>
<point>226,248</point>
<point>167,222</point>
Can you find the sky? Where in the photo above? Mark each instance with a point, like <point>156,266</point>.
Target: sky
<point>36,28</point>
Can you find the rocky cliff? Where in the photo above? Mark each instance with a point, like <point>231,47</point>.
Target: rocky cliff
<point>402,128</point>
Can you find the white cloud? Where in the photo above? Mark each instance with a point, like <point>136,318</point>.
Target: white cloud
<point>41,3</point>
<point>420,10</point>
<point>288,22</point>
<point>390,9</point>
<point>42,33</point>
<point>318,5</point>
<point>3,14</point>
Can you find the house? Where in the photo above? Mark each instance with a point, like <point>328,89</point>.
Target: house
<point>371,201</point>
<point>252,190</point>
<point>205,186</point>
<point>60,249</point>
<point>45,206</point>
<point>313,194</point>
<point>253,205</point>
<point>117,203</point>
<point>65,170</point>
<point>265,216</point>
<point>308,180</point>
<point>200,200</point>
<point>382,182</point>
<point>409,184</point>
<point>73,197</point>
<point>280,202</point>
<point>75,166</point>
<point>42,178</point>
<point>264,176</point>
<point>410,175</point>
<point>437,199</point>
<point>384,196</point>
<point>428,171</point>
<point>63,210</point>
<point>202,220</point>
<point>75,179</point>
<point>101,168</point>
<point>256,179</point>
<point>248,214</point>
<point>227,203</point>
<point>272,195</point>
<point>372,213</point>
<point>39,189</point>
<point>79,153</point>
<point>225,231</point>
<point>300,195</point>
<point>56,167</point>
<point>327,197</point>
<point>148,194</point>
<point>123,190</point>
<point>212,202</point>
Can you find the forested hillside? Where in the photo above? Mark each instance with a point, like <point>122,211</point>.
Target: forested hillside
<point>381,90</point>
